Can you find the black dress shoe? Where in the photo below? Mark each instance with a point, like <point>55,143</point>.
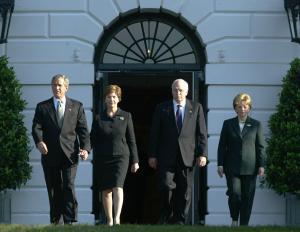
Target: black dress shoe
<point>163,219</point>
<point>178,223</point>
<point>68,223</point>
<point>56,222</point>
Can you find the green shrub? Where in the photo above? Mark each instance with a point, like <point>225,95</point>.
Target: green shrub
<point>283,150</point>
<point>14,142</point>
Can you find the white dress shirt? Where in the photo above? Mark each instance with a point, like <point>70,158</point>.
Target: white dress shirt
<point>63,103</point>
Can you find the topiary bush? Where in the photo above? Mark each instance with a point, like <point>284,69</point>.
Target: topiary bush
<point>283,150</point>
<point>14,141</point>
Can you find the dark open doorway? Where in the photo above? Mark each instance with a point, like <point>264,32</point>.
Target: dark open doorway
<point>143,52</point>
<point>141,92</point>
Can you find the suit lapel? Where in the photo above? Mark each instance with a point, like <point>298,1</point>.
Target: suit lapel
<point>52,111</point>
<point>236,126</point>
<point>247,126</point>
<point>119,117</point>
<point>170,108</point>
<point>68,111</point>
<point>187,114</point>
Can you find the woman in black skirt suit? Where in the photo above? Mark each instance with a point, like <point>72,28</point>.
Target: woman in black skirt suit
<point>113,141</point>
<point>241,157</point>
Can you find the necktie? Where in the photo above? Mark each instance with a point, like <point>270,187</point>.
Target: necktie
<point>60,113</point>
<point>179,118</point>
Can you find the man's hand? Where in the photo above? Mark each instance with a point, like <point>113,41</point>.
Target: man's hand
<point>261,171</point>
<point>42,147</point>
<point>83,154</point>
<point>201,161</point>
<point>152,162</point>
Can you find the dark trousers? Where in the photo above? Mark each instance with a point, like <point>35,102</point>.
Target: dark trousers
<point>241,191</point>
<point>61,192</point>
<point>175,185</point>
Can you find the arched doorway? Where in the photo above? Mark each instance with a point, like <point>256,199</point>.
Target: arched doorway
<point>144,52</point>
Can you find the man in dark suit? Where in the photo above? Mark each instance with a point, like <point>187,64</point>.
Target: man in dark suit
<point>61,135</point>
<point>241,158</point>
<point>178,139</point>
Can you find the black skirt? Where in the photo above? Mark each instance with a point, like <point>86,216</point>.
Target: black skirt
<point>112,171</point>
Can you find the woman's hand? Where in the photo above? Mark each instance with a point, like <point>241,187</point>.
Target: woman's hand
<point>134,167</point>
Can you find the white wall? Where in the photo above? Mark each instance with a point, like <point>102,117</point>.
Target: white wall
<point>248,49</point>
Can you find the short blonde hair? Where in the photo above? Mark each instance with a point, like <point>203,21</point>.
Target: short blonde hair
<point>61,76</point>
<point>113,89</point>
<point>242,97</point>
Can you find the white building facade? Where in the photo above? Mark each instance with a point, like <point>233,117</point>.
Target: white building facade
<point>246,48</point>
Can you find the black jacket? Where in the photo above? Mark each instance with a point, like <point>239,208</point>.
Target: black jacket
<point>241,153</point>
<point>114,136</point>
<point>73,135</point>
<point>165,140</point>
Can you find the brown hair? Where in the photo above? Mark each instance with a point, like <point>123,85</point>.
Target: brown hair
<point>61,76</point>
<point>242,97</point>
<point>113,89</point>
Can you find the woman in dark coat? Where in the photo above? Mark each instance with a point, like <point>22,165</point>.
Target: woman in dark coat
<point>241,158</point>
<point>114,144</point>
